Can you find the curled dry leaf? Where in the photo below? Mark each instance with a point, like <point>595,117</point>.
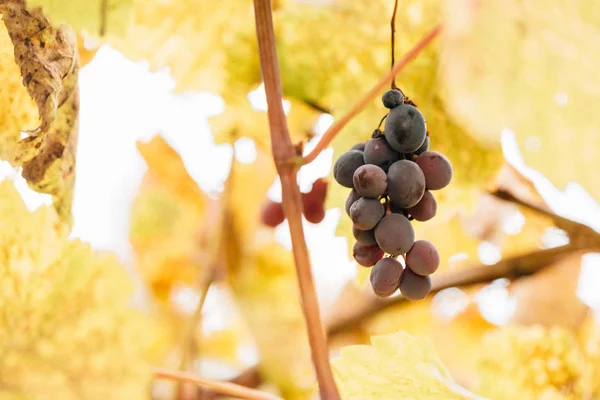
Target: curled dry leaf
<point>47,58</point>
<point>47,55</point>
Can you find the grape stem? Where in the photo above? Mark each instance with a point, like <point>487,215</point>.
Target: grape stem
<point>217,260</point>
<point>221,387</point>
<point>393,42</point>
<point>283,150</point>
<point>375,90</point>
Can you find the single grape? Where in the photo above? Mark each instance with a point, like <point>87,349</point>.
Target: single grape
<point>424,147</point>
<point>313,202</point>
<point>405,128</point>
<point>366,256</point>
<point>314,214</point>
<point>352,197</point>
<point>437,169</point>
<point>392,98</point>
<point>344,167</point>
<point>366,213</point>
<point>385,276</point>
<point>413,286</point>
<point>406,183</point>
<point>364,237</point>
<point>358,146</point>
<point>425,209</point>
<point>423,259</point>
<point>394,234</point>
<point>379,152</point>
<point>370,181</point>
<point>272,214</point>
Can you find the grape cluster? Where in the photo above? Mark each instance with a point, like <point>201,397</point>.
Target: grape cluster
<point>391,177</point>
<point>313,206</point>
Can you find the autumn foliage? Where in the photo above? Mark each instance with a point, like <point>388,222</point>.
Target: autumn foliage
<point>219,294</point>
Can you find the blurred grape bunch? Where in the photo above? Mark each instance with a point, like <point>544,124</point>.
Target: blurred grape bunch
<point>530,363</point>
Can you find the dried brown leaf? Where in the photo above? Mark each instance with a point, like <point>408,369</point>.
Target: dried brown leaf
<point>47,58</point>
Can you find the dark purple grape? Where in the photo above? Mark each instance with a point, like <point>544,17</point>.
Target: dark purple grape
<point>379,152</point>
<point>364,237</point>
<point>392,98</point>
<point>424,147</point>
<point>394,234</point>
<point>385,276</point>
<point>437,169</point>
<point>366,213</point>
<point>405,128</point>
<point>272,214</point>
<point>370,181</point>
<point>358,146</point>
<point>352,197</point>
<point>425,208</point>
<point>413,286</point>
<point>314,214</point>
<point>344,167</point>
<point>406,183</point>
<point>366,256</point>
<point>423,259</point>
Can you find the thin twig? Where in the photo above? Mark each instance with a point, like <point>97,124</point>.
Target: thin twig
<point>217,261</point>
<point>222,387</point>
<point>283,150</point>
<point>362,103</point>
<point>578,232</point>
<point>393,44</point>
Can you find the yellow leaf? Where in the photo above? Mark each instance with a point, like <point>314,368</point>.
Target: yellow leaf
<point>65,323</point>
<point>539,301</point>
<point>396,365</point>
<point>166,220</point>
<point>206,45</point>
<point>530,67</point>
<point>240,119</point>
<point>529,363</point>
<point>451,321</point>
<point>47,57</point>
<point>590,342</point>
<point>94,16</point>
<point>249,185</point>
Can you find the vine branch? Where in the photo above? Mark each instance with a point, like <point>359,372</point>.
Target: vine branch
<point>221,387</point>
<point>283,151</point>
<point>375,90</point>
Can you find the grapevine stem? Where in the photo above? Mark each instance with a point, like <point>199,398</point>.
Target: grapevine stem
<point>362,103</point>
<point>283,150</point>
<point>393,44</point>
<point>221,387</point>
